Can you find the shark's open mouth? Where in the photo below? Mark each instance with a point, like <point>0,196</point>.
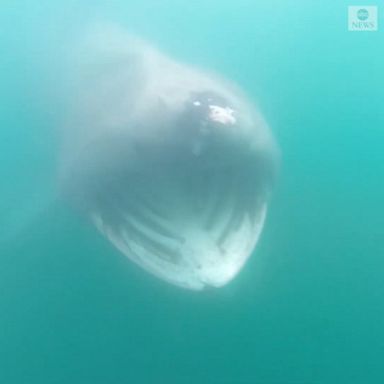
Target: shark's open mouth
<point>193,227</point>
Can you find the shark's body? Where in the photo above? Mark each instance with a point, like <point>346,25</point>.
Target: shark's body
<point>172,165</point>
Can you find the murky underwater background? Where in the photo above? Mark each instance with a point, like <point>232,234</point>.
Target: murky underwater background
<point>307,308</point>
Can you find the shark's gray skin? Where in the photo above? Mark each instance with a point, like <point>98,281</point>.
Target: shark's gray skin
<point>172,165</point>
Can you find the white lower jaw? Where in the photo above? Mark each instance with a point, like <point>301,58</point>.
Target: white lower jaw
<point>190,248</point>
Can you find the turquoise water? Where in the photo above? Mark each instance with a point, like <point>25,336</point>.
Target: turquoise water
<point>308,306</point>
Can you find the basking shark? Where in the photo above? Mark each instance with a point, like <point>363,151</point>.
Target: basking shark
<point>172,164</point>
